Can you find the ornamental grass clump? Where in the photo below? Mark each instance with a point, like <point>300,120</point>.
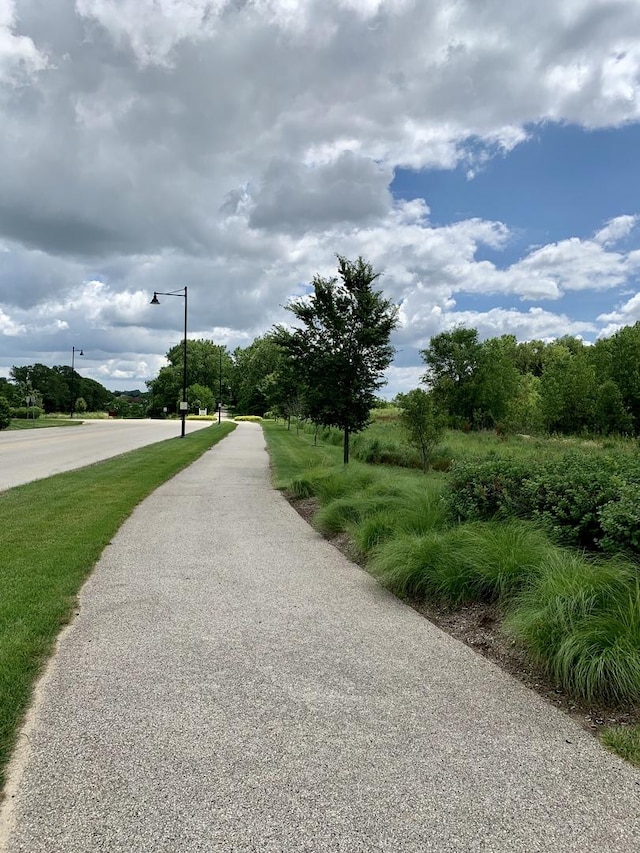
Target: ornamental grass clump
<point>431,565</point>
<point>503,556</point>
<point>580,619</point>
<point>468,562</point>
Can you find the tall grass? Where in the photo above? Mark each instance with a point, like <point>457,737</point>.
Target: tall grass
<point>472,562</point>
<point>580,619</point>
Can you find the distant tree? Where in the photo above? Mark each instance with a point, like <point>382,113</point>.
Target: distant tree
<point>81,405</point>
<point>49,383</point>
<point>204,362</point>
<point>252,375</point>
<point>343,347</point>
<point>423,423</point>
<point>523,412</point>
<point>200,397</point>
<point>452,360</point>
<point>568,388</point>
<point>5,413</point>
<point>611,415</point>
<point>495,382</point>
<point>13,393</point>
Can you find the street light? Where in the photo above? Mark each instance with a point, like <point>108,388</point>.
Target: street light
<point>74,350</point>
<point>219,384</point>
<point>156,301</point>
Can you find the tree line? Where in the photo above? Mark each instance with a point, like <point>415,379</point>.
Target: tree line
<point>564,386</point>
<point>328,367</point>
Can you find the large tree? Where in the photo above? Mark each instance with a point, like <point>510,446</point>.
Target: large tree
<point>452,360</point>
<point>343,347</point>
<point>208,365</point>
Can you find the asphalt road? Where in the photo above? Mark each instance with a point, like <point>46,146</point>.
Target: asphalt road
<point>27,455</point>
<point>233,683</point>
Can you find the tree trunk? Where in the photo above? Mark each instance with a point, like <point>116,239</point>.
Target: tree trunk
<point>346,446</point>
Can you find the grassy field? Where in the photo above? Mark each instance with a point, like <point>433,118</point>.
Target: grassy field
<point>53,532</point>
<point>577,616</point>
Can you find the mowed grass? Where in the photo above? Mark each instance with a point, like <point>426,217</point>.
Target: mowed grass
<point>52,533</point>
<point>41,423</point>
<point>577,616</point>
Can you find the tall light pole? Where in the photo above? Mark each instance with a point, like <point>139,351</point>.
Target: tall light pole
<point>155,301</point>
<point>219,384</point>
<point>74,350</point>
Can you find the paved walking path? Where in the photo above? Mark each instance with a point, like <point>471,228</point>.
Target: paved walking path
<point>233,683</point>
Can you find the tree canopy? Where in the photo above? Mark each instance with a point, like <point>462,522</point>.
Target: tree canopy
<point>343,346</point>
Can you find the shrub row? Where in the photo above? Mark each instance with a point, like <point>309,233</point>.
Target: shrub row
<point>582,500</point>
<point>23,412</point>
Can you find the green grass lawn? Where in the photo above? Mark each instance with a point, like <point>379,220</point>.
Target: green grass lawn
<point>41,423</point>
<point>577,616</point>
<point>53,532</point>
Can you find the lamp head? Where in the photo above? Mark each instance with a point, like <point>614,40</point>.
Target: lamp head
<point>155,300</point>
<point>81,352</point>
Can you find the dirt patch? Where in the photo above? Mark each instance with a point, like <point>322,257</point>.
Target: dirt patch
<point>478,626</point>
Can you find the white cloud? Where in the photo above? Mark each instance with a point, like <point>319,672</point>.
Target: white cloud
<point>19,56</point>
<point>237,146</point>
<point>625,315</point>
<point>615,229</point>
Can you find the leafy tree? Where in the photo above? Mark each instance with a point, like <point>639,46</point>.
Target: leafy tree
<point>12,392</point>
<point>422,422</point>
<point>529,357</point>
<point>204,362</point>
<point>81,405</point>
<point>623,352</point>
<point>50,383</point>
<point>567,388</point>
<point>200,397</point>
<point>252,376</point>
<point>452,359</point>
<point>611,416</point>
<point>5,413</point>
<point>342,349</point>
<point>523,410</point>
<point>495,382</point>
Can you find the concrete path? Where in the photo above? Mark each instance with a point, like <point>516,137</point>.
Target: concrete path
<point>233,683</point>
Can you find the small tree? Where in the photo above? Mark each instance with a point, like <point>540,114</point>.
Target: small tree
<point>422,421</point>
<point>81,405</point>
<point>5,413</point>
<point>343,348</point>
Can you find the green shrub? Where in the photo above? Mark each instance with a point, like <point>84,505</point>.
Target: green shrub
<point>478,491</point>
<point>620,521</point>
<point>23,412</point>
<point>250,418</point>
<point>5,413</point>
<point>580,619</point>
<point>567,496</point>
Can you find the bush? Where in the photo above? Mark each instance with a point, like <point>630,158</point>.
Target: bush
<point>25,412</point>
<point>571,496</point>
<point>478,491</point>
<point>620,521</point>
<point>5,413</point>
<point>250,418</point>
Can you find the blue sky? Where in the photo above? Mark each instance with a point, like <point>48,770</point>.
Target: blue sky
<point>482,156</point>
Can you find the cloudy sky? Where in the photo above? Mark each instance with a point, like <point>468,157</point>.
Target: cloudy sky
<point>483,155</point>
